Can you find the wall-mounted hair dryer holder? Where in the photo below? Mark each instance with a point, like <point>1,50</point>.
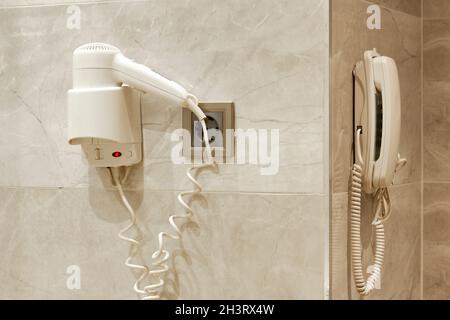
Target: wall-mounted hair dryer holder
<point>106,121</point>
<point>104,113</point>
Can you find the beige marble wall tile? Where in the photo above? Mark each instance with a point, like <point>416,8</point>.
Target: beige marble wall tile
<point>19,3</point>
<point>401,271</point>
<point>238,246</point>
<point>436,97</point>
<point>413,7</point>
<point>436,34</point>
<point>436,9</point>
<point>241,51</point>
<point>436,144</point>
<point>263,245</point>
<point>436,241</point>
<point>400,38</point>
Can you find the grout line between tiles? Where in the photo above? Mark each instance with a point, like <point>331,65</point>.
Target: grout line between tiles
<point>436,182</point>
<point>436,18</point>
<point>422,152</point>
<point>394,186</point>
<point>330,153</point>
<point>166,191</point>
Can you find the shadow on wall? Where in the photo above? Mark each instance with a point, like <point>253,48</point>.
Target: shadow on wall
<point>146,235</point>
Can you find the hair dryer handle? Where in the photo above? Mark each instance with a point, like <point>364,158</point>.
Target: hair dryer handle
<point>145,79</point>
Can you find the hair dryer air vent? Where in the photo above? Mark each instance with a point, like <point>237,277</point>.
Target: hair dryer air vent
<point>96,47</point>
<point>92,60</point>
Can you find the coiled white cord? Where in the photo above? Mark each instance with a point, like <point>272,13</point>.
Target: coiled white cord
<point>363,287</point>
<point>383,212</point>
<point>135,244</point>
<point>162,255</point>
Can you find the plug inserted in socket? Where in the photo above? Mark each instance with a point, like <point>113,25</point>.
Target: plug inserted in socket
<point>220,125</point>
<point>214,124</point>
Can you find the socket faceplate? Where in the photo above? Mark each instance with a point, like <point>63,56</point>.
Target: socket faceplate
<point>220,124</point>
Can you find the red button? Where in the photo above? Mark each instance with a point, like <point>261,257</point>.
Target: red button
<point>117,154</point>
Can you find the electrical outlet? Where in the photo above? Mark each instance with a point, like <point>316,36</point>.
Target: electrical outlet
<point>220,125</point>
<point>215,127</point>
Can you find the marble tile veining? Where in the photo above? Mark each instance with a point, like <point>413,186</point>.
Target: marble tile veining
<point>436,241</point>
<point>436,9</point>
<point>236,247</point>
<point>436,246</point>
<point>436,97</point>
<point>239,51</point>
<point>253,236</point>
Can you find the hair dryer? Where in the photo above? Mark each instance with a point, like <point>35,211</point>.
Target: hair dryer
<point>104,116</point>
<point>104,112</point>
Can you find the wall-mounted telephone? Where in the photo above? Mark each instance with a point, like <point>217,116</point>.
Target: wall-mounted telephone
<point>104,116</point>
<point>377,127</point>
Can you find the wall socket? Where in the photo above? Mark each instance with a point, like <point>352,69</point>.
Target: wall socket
<point>220,124</point>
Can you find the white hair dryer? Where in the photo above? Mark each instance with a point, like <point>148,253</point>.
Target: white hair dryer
<point>104,116</point>
<point>104,112</point>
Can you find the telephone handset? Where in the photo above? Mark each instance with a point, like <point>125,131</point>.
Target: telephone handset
<point>378,115</point>
<point>377,127</point>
